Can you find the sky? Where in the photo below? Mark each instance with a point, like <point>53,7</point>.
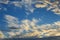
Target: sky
<point>29,18</point>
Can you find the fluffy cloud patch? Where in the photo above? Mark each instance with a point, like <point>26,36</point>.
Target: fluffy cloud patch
<point>45,30</point>
<point>30,28</point>
<point>40,5</point>
<point>12,21</point>
<point>1,35</point>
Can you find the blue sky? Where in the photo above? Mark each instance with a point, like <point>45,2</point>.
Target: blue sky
<point>46,16</point>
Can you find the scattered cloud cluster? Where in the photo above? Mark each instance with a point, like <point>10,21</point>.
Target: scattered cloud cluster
<point>45,30</point>
<point>30,28</point>
<point>52,5</point>
<point>49,4</point>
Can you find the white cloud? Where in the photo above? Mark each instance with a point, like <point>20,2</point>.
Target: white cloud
<point>57,23</point>
<point>54,7</point>
<point>32,29</point>
<point>28,24</point>
<point>45,30</point>
<point>17,3</point>
<point>11,34</point>
<point>57,11</point>
<point>25,25</point>
<point>46,3</point>
<point>40,5</point>
<point>12,21</point>
<point>4,1</point>
<point>28,5</point>
<point>1,35</point>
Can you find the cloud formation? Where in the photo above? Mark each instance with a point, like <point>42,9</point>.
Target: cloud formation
<point>1,35</point>
<point>45,30</point>
<point>12,21</point>
<point>30,28</point>
<point>49,4</point>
